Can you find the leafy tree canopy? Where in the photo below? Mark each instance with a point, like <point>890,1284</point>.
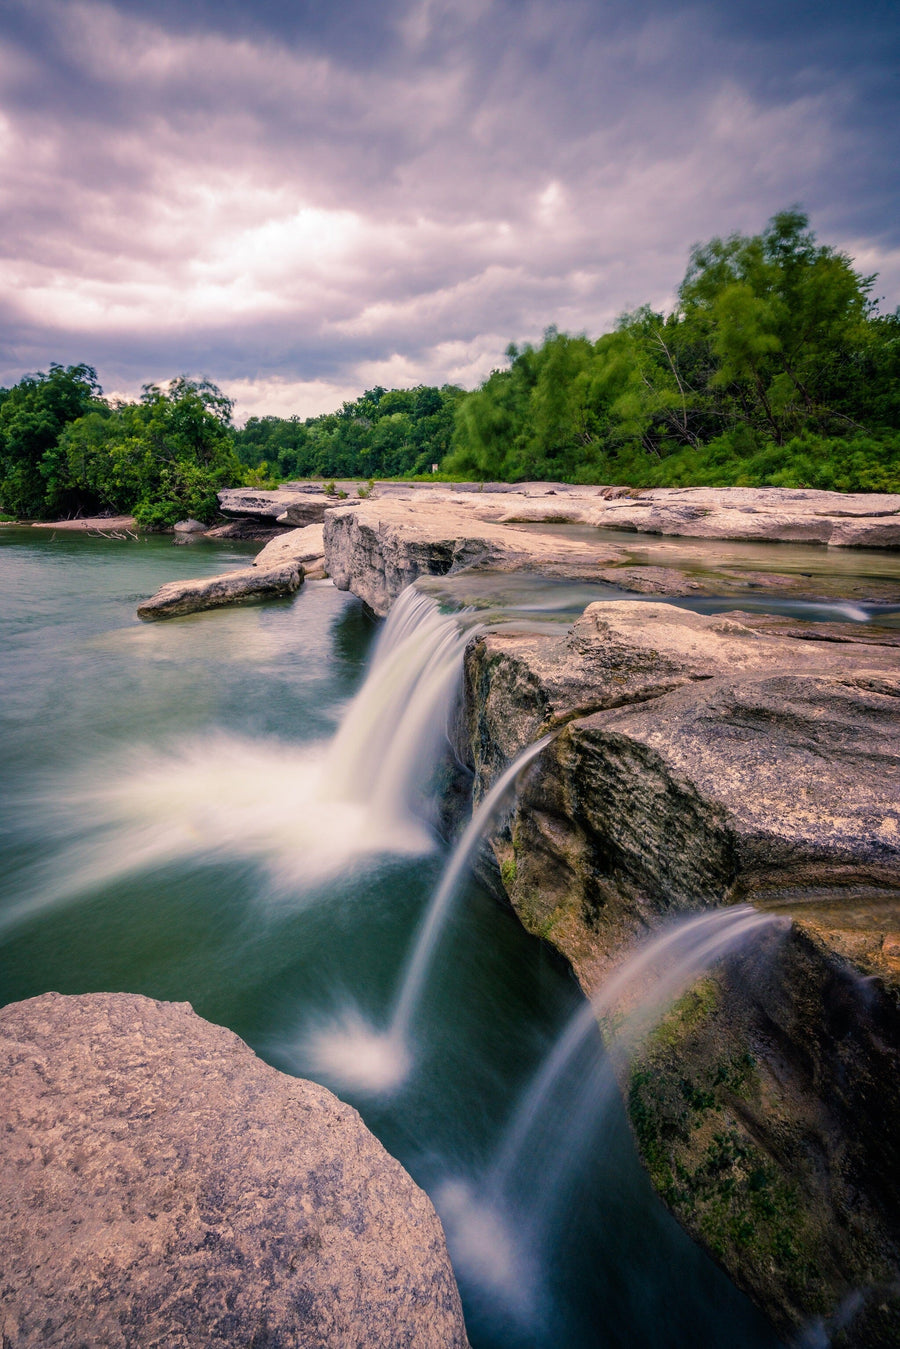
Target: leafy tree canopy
<point>162,458</point>
<point>774,366</point>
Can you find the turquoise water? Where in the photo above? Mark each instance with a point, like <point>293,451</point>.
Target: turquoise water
<point>157,837</point>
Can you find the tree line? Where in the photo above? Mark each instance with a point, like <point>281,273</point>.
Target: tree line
<point>67,451</point>
<point>773,367</point>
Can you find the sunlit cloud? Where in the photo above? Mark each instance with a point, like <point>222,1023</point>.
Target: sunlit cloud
<point>298,218</point>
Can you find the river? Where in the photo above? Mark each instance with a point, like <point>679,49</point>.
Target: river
<point>158,835</point>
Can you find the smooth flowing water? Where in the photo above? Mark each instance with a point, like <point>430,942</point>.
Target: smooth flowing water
<point>172,822</point>
<point>353,1051</point>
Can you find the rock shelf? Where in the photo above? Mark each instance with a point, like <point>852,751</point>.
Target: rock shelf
<point>160,1185</point>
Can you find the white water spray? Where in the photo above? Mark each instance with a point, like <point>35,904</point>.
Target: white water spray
<point>356,1055</point>
<point>391,734</point>
<point>301,813</point>
<point>635,996</point>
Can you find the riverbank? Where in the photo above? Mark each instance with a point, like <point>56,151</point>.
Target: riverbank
<point>380,544</point>
<point>707,759</point>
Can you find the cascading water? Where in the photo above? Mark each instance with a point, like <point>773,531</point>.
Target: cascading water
<point>351,1051</point>
<point>167,778</point>
<point>544,1141</point>
<point>391,735</point>
<point>436,915</point>
<point>301,813</point>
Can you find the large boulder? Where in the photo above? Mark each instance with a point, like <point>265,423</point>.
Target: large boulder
<point>161,1186</point>
<point>177,598</point>
<point>295,545</point>
<point>701,758</point>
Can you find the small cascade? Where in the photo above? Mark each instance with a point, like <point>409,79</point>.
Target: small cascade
<point>438,909</point>
<point>526,1184</point>
<point>650,979</point>
<point>300,813</point>
<point>356,1055</point>
<point>391,735</point>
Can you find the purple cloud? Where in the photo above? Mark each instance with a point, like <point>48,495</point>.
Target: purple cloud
<point>243,193</point>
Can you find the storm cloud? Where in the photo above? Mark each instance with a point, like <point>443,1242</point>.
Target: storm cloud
<point>299,201</point>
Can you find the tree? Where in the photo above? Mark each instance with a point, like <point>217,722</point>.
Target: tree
<point>32,415</point>
<point>162,458</point>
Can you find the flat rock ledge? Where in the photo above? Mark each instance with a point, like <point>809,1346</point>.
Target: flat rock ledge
<point>232,587</point>
<point>377,547</point>
<point>162,1186</point>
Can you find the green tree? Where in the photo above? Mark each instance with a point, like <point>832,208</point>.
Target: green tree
<point>162,458</point>
<point>32,416</point>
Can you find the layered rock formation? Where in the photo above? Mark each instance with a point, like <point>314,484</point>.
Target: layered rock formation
<point>377,547</point>
<point>698,761</point>
<point>701,761</point>
<point>773,514</point>
<point>292,504</point>
<point>161,1186</point>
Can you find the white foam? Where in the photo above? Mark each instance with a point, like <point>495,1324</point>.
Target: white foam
<point>353,1055</point>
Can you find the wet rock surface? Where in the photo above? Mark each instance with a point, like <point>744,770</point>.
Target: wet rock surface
<point>765,1109</point>
<point>377,547</point>
<point>701,761</point>
<point>177,598</point>
<point>161,1186</point>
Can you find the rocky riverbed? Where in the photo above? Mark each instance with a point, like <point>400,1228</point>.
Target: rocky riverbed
<point>379,544</point>
<point>702,760</point>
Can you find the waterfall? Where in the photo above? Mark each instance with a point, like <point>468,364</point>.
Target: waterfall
<point>391,735</point>
<point>664,968</point>
<point>544,1140</point>
<point>438,909</point>
<point>354,1053</point>
<point>301,813</point>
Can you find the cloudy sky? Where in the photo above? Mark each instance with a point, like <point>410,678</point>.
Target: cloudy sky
<point>301,198</point>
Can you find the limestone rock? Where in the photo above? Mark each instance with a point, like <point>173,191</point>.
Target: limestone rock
<point>377,548</point>
<point>189,527</point>
<point>296,545</point>
<point>766,1112</point>
<point>248,530</point>
<point>776,514</point>
<point>308,510</point>
<point>702,758</point>
<point>870,533</point>
<point>209,592</point>
<point>161,1186</point>
<point>295,508</point>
